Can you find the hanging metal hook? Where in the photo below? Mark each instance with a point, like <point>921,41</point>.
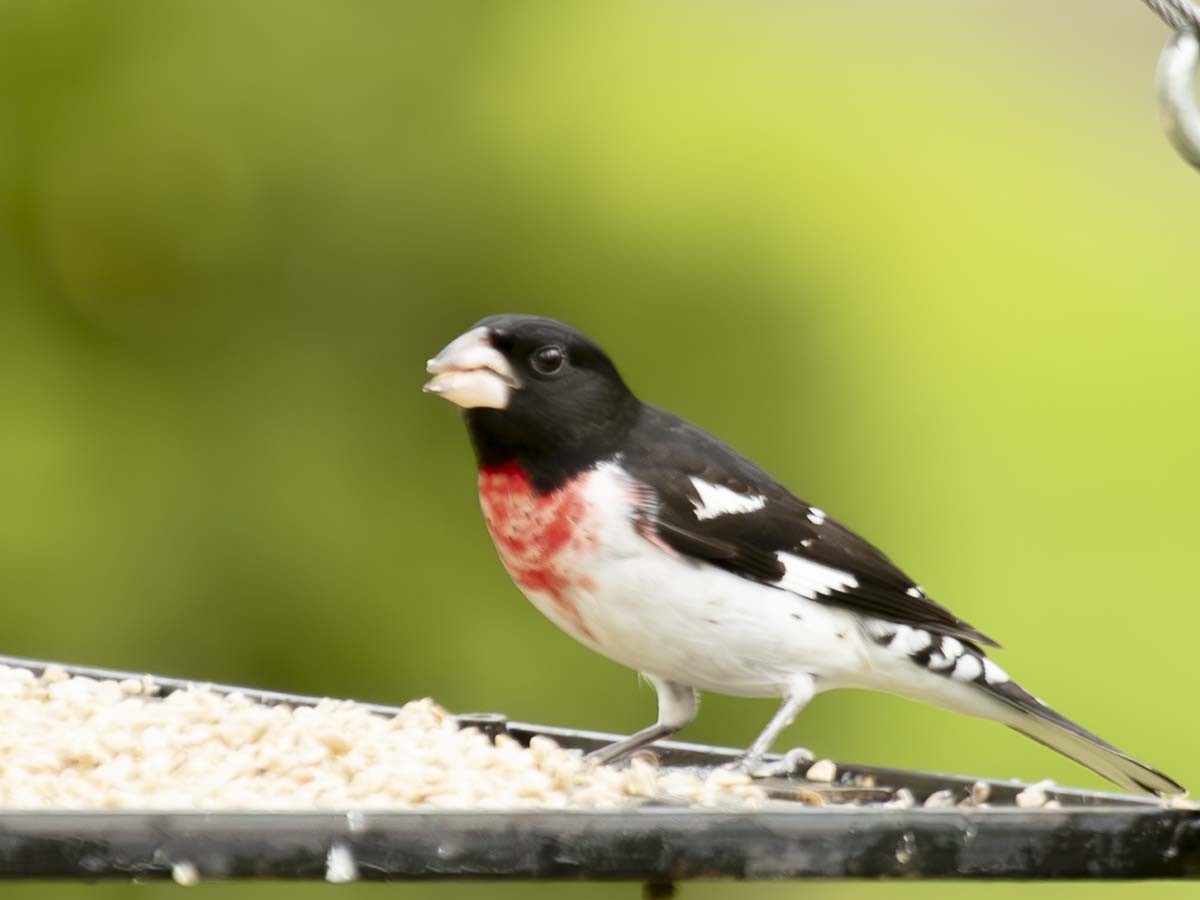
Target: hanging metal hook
<point>1177,93</point>
<point>1177,76</point>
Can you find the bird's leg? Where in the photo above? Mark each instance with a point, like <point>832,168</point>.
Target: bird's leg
<point>800,691</point>
<point>677,707</point>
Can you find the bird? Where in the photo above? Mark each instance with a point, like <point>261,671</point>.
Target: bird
<point>655,544</point>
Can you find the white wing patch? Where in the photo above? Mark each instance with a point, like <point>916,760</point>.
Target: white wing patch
<point>951,649</point>
<point>807,578</point>
<point>993,674</point>
<point>908,640</point>
<point>945,655</point>
<point>716,500</point>
<point>967,668</point>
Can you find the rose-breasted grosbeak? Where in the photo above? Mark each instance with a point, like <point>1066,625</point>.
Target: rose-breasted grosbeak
<point>655,544</point>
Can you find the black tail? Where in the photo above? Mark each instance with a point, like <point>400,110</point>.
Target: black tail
<point>1036,720</point>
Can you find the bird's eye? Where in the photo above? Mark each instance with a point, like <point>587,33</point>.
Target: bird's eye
<point>548,360</point>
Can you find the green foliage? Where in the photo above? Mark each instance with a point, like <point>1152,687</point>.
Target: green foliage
<point>944,290</point>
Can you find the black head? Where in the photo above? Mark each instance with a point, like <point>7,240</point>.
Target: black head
<point>536,392</point>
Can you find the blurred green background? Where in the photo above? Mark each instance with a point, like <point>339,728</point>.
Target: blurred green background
<point>930,263</point>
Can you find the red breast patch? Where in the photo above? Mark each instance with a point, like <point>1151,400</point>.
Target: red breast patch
<point>535,534</point>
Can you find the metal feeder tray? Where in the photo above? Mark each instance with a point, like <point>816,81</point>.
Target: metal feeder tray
<point>1092,834</point>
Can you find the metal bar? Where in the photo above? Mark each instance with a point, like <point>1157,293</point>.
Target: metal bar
<point>644,844</point>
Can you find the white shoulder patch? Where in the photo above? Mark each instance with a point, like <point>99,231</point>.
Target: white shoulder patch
<point>716,500</point>
<point>807,578</point>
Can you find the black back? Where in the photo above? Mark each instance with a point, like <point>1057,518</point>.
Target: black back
<point>665,452</point>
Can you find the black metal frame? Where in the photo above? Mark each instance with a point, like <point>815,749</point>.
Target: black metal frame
<point>1092,834</point>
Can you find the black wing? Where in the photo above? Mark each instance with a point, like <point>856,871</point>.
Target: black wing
<point>666,453</point>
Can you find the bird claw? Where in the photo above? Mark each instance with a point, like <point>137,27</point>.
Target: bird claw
<point>794,762</point>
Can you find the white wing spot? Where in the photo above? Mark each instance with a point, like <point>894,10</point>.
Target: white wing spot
<point>809,579</point>
<point>952,647</point>
<point>910,640</point>
<point>816,516</point>
<point>915,592</point>
<point>993,674</point>
<point>716,500</point>
<point>967,668</point>
<point>937,662</point>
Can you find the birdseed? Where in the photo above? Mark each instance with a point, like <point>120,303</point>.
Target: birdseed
<point>80,743</point>
<point>1035,797</point>
<point>943,799</point>
<point>823,770</point>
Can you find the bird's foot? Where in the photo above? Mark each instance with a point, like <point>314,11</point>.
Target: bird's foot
<point>794,762</point>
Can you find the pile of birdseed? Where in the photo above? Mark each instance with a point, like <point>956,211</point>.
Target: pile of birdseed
<point>79,743</point>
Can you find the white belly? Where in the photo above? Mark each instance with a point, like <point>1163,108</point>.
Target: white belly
<point>714,630</point>
<point>644,606</point>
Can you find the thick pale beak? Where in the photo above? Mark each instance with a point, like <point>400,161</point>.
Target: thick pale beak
<point>470,372</point>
